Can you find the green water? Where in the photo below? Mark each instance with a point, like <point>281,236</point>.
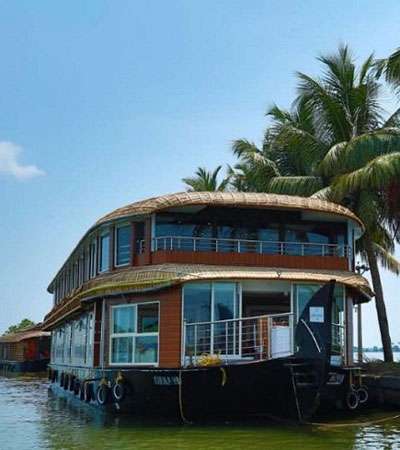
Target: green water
<point>31,417</point>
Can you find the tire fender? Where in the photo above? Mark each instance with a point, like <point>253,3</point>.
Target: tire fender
<point>103,394</point>
<point>119,391</point>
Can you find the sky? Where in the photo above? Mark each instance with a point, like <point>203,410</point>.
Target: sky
<point>103,103</point>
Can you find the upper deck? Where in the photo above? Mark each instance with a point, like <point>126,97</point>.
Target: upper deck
<point>229,228</point>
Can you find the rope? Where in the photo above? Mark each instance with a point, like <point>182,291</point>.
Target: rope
<point>224,376</point>
<point>295,396</point>
<point>180,400</point>
<point>353,424</point>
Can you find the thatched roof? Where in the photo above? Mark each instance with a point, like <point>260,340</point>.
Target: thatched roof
<point>142,279</point>
<point>18,336</point>
<point>233,199</point>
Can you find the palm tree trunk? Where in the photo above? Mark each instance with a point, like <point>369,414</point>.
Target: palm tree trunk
<point>379,300</point>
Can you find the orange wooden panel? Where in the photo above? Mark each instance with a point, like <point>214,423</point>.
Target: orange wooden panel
<point>250,259</point>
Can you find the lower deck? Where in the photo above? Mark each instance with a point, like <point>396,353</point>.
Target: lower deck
<point>236,320</point>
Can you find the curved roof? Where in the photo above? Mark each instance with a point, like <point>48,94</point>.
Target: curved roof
<point>238,199</point>
<point>143,279</point>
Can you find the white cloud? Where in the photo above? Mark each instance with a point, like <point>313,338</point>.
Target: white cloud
<point>9,163</point>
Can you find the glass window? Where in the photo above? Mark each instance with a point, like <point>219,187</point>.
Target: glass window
<point>89,339</point>
<point>147,318</point>
<point>122,350</point>
<point>146,349</point>
<point>93,258</point>
<point>123,245</point>
<point>204,302</point>
<point>104,252</point>
<point>124,319</point>
<point>197,302</point>
<point>224,301</point>
<point>134,338</point>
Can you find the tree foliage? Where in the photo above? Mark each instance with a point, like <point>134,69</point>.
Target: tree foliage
<point>23,324</point>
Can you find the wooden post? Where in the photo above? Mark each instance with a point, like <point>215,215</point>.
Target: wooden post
<point>359,334</point>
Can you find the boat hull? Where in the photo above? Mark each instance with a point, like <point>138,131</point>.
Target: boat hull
<point>259,388</point>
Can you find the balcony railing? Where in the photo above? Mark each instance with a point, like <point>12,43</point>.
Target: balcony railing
<point>221,245</point>
<point>256,338</point>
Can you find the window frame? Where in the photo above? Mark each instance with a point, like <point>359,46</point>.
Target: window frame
<point>105,234</point>
<point>122,225</point>
<point>133,335</point>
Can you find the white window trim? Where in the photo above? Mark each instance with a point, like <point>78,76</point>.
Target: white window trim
<point>133,335</point>
<point>125,224</point>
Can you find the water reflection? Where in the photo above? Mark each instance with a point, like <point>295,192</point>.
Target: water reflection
<point>33,417</point>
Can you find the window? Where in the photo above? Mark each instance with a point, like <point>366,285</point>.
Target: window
<point>89,339</point>
<point>104,263</point>
<point>205,302</point>
<point>134,334</point>
<point>123,245</point>
<point>93,258</point>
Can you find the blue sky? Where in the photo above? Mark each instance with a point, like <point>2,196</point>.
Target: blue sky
<point>108,102</point>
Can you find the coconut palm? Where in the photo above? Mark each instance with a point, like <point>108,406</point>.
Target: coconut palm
<point>206,181</point>
<point>389,68</point>
<point>335,128</point>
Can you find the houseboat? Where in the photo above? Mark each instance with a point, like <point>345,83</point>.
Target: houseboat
<point>202,304</point>
<point>26,350</point>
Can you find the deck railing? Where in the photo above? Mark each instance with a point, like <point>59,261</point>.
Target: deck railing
<point>222,245</point>
<point>256,338</point>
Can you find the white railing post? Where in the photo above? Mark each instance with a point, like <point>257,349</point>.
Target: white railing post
<point>183,350</point>
<point>195,341</point>
<point>226,339</point>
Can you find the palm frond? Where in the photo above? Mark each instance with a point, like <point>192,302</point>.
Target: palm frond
<point>387,260</point>
<point>301,186</point>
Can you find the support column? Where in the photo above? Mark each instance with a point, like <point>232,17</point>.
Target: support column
<point>359,334</point>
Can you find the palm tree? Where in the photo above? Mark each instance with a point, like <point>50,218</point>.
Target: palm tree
<point>206,181</point>
<point>389,68</point>
<point>335,127</point>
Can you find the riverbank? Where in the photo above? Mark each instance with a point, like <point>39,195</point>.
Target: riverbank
<point>33,417</point>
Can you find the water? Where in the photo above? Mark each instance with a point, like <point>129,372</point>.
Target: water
<point>379,356</point>
<point>31,417</point>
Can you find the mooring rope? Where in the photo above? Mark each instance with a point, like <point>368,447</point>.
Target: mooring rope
<point>352,424</point>
<point>180,400</point>
<point>295,395</point>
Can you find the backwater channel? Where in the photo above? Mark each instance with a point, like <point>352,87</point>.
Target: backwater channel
<point>32,417</point>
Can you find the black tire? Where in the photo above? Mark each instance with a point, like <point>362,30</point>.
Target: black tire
<point>119,391</point>
<point>66,382</point>
<point>362,393</point>
<point>352,400</point>
<point>71,384</point>
<point>103,395</point>
<point>81,392</point>
<point>77,385</point>
<point>87,392</point>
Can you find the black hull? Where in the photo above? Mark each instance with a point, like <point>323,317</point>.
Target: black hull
<point>262,388</point>
<point>37,365</point>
